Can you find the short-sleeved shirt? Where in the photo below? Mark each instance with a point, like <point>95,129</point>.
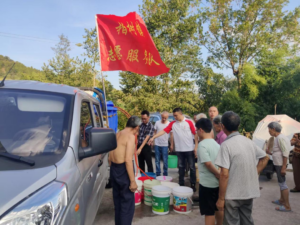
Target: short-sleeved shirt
<point>296,150</point>
<point>208,150</point>
<point>162,141</point>
<point>281,148</point>
<point>183,132</point>
<point>145,130</point>
<point>220,138</point>
<point>239,155</point>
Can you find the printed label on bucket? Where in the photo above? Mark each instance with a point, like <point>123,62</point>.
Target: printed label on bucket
<point>182,204</point>
<point>160,204</point>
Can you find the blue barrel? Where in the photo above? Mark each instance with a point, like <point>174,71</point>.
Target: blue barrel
<point>112,116</point>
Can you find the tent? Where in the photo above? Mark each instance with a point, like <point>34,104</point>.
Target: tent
<point>289,127</point>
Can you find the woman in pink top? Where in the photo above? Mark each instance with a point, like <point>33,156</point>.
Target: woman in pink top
<point>221,136</point>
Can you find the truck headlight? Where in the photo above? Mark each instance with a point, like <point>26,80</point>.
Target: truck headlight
<point>42,208</point>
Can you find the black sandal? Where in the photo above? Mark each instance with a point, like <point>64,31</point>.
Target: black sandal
<point>294,190</point>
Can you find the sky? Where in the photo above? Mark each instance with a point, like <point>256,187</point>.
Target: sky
<point>28,29</point>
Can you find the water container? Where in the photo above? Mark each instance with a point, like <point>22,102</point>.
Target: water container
<point>182,200</point>
<point>172,161</point>
<point>138,193</point>
<point>143,180</point>
<point>170,185</point>
<point>161,199</point>
<point>164,178</point>
<point>148,184</point>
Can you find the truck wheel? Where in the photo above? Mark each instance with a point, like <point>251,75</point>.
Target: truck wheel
<point>270,175</point>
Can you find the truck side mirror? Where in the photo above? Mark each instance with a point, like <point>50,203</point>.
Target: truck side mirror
<point>101,140</point>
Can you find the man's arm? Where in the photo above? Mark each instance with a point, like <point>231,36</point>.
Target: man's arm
<point>167,130</point>
<point>285,148</point>
<point>160,133</point>
<point>196,144</point>
<point>149,134</point>
<point>223,182</point>
<point>129,152</point>
<point>283,169</point>
<point>171,142</point>
<point>262,157</point>
<point>212,169</point>
<point>262,163</point>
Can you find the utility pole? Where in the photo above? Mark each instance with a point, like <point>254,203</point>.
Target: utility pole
<point>275,108</point>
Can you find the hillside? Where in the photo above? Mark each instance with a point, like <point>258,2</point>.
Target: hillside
<point>20,71</point>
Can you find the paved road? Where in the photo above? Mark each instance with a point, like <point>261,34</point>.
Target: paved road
<point>263,211</point>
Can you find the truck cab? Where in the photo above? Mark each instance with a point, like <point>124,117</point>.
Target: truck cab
<point>53,154</point>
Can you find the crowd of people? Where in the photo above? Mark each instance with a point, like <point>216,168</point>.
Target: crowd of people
<point>225,158</point>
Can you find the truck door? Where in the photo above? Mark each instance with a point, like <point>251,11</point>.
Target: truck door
<point>101,175</point>
<point>88,166</point>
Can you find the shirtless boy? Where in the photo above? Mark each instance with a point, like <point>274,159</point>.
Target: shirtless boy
<point>121,172</point>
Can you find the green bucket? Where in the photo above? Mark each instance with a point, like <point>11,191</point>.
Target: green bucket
<point>172,161</point>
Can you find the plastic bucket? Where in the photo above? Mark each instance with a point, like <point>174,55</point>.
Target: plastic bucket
<point>161,199</point>
<point>164,178</point>
<point>150,174</point>
<point>148,184</point>
<point>143,180</point>
<point>170,185</point>
<point>138,193</point>
<point>172,161</point>
<point>182,199</point>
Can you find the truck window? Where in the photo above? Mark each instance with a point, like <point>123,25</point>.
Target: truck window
<point>98,115</point>
<point>34,125</point>
<point>86,123</point>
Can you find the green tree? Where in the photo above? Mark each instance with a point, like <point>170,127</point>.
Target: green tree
<point>282,76</point>
<point>231,101</point>
<point>61,68</point>
<point>239,31</point>
<point>211,87</point>
<point>90,44</point>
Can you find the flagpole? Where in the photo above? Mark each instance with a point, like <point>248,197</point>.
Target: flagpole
<point>103,83</point>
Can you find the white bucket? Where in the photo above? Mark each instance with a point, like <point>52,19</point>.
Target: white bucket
<point>148,184</point>
<point>161,199</point>
<point>138,193</point>
<point>164,178</point>
<point>182,200</point>
<point>170,185</point>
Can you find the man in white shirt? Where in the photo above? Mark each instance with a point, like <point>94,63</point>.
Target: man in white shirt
<point>280,154</point>
<point>161,144</point>
<point>238,183</point>
<point>183,131</point>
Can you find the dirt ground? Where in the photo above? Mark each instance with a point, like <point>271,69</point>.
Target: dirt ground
<point>263,210</point>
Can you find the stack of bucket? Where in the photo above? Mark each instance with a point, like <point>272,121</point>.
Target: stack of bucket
<point>160,193</point>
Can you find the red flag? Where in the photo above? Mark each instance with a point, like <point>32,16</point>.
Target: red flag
<point>125,44</point>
